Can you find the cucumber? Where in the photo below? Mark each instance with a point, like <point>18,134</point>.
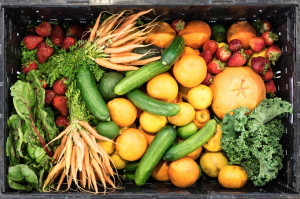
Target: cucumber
<point>132,166</point>
<point>151,105</point>
<point>91,95</point>
<point>192,143</point>
<point>160,144</point>
<point>155,51</point>
<point>128,73</point>
<point>173,52</point>
<point>187,130</point>
<point>140,76</point>
<point>129,176</point>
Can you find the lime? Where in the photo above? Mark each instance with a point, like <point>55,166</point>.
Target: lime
<point>107,85</point>
<point>187,130</point>
<point>200,171</point>
<point>108,129</point>
<point>218,32</point>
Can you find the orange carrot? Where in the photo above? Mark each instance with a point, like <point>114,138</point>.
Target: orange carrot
<point>127,38</point>
<point>68,154</point>
<point>62,148</point>
<point>96,156</point>
<point>118,67</point>
<point>79,143</point>
<point>98,171</point>
<point>105,157</point>
<point>62,177</point>
<point>73,164</point>
<point>145,61</point>
<point>126,59</point>
<point>107,179</point>
<point>112,23</point>
<point>122,49</point>
<point>104,24</point>
<point>79,154</point>
<point>87,163</point>
<point>93,178</point>
<point>83,176</point>
<point>88,140</point>
<point>123,33</point>
<point>55,175</point>
<point>92,131</point>
<point>103,39</point>
<point>61,134</point>
<point>123,54</point>
<point>70,178</point>
<point>120,21</point>
<point>95,28</point>
<point>55,169</point>
<point>56,153</point>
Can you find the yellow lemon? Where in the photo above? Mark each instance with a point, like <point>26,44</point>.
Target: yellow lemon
<point>185,115</point>
<point>152,123</point>
<point>108,146</point>
<point>222,44</point>
<point>213,144</point>
<point>119,162</point>
<point>212,163</point>
<point>200,97</point>
<point>183,91</point>
<point>256,54</point>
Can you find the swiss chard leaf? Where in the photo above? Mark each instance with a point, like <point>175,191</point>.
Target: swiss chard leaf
<point>22,174</point>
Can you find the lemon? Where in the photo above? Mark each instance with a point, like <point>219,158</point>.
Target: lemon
<point>221,45</point>
<point>152,123</point>
<point>183,91</point>
<point>212,162</point>
<point>256,54</point>
<point>108,146</point>
<point>213,144</point>
<point>119,162</point>
<point>185,115</point>
<point>200,97</point>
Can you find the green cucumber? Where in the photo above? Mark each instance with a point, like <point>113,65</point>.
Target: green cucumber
<point>151,105</point>
<point>140,76</point>
<point>132,166</point>
<point>192,143</point>
<point>91,95</point>
<point>129,176</point>
<point>173,52</point>
<point>160,144</point>
<point>187,130</point>
<point>155,51</point>
<point>128,73</point>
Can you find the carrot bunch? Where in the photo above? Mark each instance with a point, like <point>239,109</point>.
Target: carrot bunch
<point>79,155</point>
<point>120,37</point>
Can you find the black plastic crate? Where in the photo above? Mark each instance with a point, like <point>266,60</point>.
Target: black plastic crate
<point>285,18</point>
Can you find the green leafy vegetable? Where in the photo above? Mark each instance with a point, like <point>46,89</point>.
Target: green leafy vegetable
<point>253,141</point>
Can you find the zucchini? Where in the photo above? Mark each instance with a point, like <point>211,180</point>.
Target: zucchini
<point>160,144</point>
<point>132,166</point>
<point>140,76</point>
<point>151,105</point>
<point>129,176</point>
<point>91,95</point>
<point>192,143</point>
<point>173,52</point>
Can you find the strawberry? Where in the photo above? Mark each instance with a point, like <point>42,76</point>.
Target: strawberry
<point>235,45</point>
<point>210,45</point>
<point>60,103</point>
<point>208,79</point>
<point>49,97</point>
<point>62,121</point>
<point>60,86</point>
<point>237,59</point>
<point>88,31</point>
<point>273,53</point>
<point>223,53</point>
<point>260,64</point>
<point>43,52</point>
<point>207,56</point>
<point>44,83</point>
<point>270,87</point>
<point>31,41</point>
<point>248,52</point>
<point>57,35</point>
<point>178,25</point>
<point>29,66</point>
<point>31,30</point>
<point>266,26</point>
<point>67,43</point>
<point>267,75</point>
<point>44,29</point>
<point>215,67</point>
<point>74,30</point>
<point>257,44</point>
<point>269,38</point>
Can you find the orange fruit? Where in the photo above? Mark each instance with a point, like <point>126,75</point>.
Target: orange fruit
<point>177,99</point>
<point>131,144</point>
<point>189,51</point>
<point>243,31</point>
<point>149,136</point>
<point>185,115</point>
<point>122,111</point>
<point>183,172</point>
<point>201,117</point>
<point>161,35</point>
<point>235,87</point>
<point>232,177</point>
<point>190,70</point>
<point>163,87</point>
<point>160,171</point>
<point>195,33</point>
<point>195,154</point>
<point>213,144</point>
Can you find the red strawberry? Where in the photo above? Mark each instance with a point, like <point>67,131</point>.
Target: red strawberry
<point>210,45</point>
<point>57,35</point>
<point>235,45</point>
<point>208,79</point>
<point>266,26</point>
<point>67,43</point>
<point>88,31</point>
<point>31,30</point>
<point>207,56</point>
<point>223,53</point>
<point>237,59</point>
<point>31,41</point>
<point>60,103</point>
<point>260,64</point>
<point>268,75</point>
<point>62,121</point>
<point>273,53</point>
<point>270,87</point>
<point>60,87</point>
<point>269,38</point>
<point>44,29</point>
<point>43,52</point>
<point>49,97</point>
<point>178,25</point>
<point>257,44</point>
<point>215,67</point>
<point>74,30</point>
<point>248,52</point>
<point>29,66</point>
<point>44,84</point>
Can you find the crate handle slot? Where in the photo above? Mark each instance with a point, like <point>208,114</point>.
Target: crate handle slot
<point>291,85</point>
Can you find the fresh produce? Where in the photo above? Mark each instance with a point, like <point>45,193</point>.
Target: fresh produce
<point>49,97</point>
<point>57,35</point>
<point>118,161</point>
<point>213,144</point>
<point>195,33</point>
<point>195,154</point>
<point>200,172</point>
<point>201,117</point>
<point>237,59</point>
<point>152,123</point>
<point>268,75</point>
<point>248,139</point>
<point>44,51</point>
<point>211,46</point>
<point>185,115</point>
<point>192,143</point>
<point>155,52</point>
<point>256,54</point>
<point>108,129</point>
<point>60,104</point>
<point>242,31</point>
<point>107,85</point>
<point>270,87</point>
<point>62,121</point>
<point>74,30</point>
<point>31,41</point>
<point>108,145</point>
<point>247,90</point>
<point>218,32</point>
<point>183,172</point>
<point>189,51</point>
<point>273,53</point>
<point>173,52</point>
<point>187,130</point>
<point>183,91</point>
<point>262,26</point>
<point>212,162</point>
<point>161,35</point>
<point>132,166</point>
<point>178,25</point>
<point>60,87</point>
<point>257,44</point>
<point>223,53</point>
<point>149,136</point>
<point>260,64</point>
<point>44,29</point>
<point>215,67</point>
<point>207,56</point>
<point>129,176</point>
<point>160,171</point>
<point>269,37</point>
<point>208,79</point>
<point>235,45</point>
<point>68,42</point>
<point>232,177</point>
<point>200,97</point>
<point>162,141</point>
<point>26,68</point>
<point>248,52</point>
